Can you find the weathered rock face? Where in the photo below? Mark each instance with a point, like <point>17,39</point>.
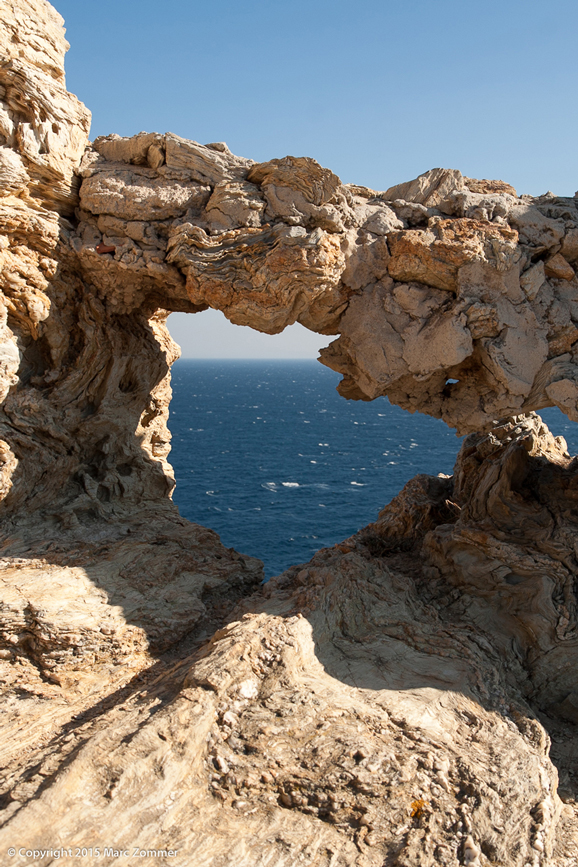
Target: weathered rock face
<point>408,697</point>
<point>372,706</point>
<point>452,296</point>
<point>97,565</point>
<point>456,300</point>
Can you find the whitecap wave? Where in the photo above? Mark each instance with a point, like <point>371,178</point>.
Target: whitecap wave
<point>290,484</point>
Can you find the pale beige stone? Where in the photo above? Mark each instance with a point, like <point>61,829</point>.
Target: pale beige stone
<point>564,394</point>
<point>284,241</point>
<point>207,164</point>
<point>532,280</point>
<point>290,275</point>
<point>488,186</point>
<point>133,150</point>
<point>136,197</point>
<point>51,137</point>
<point>435,255</point>
<point>428,189</point>
<point>13,176</point>
<point>559,268</point>
<point>570,245</point>
<point>535,228</point>
<point>235,204</point>
<point>409,695</point>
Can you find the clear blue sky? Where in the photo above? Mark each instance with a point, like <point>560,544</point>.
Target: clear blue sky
<point>377,90</point>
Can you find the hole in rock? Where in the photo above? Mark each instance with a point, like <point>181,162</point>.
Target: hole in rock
<point>271,457</point>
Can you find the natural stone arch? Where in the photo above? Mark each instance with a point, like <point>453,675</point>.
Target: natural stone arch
<point>98,567</point>
<point>454,300</point>
<point>451,296</point>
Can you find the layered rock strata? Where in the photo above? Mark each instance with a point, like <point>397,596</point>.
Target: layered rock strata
<point>372,706</point>
<point>451,296</point>
<point>409,697</point>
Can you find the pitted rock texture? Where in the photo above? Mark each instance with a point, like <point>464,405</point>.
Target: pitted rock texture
<point>96,566</point>
<point>452,296</point>
<point>409,696</point>
<point>372,706</point>
<point>310,767</point>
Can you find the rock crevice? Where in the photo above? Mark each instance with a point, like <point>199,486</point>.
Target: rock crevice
<point>409,696</point>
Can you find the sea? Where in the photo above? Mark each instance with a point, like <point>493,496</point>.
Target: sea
<point>271,457</point>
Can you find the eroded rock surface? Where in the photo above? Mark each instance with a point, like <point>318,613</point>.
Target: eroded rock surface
<point>372,706</point>
<point>408,697</point>
<point>452,296</point>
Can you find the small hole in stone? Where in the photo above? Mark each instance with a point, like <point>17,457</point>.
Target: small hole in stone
<point>514,579</point>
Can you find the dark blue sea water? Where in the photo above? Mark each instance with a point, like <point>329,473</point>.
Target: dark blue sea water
<point>271,457</point>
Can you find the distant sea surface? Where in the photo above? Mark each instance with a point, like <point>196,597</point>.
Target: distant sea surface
<point>272,458</point>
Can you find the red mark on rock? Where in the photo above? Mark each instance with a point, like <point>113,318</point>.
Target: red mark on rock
<point>105,248</point>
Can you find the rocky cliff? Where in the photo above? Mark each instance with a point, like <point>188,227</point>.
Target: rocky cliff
<point>409,696</point>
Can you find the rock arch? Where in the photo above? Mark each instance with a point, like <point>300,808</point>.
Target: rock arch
<point>456,300</point>
<point>409,661</point>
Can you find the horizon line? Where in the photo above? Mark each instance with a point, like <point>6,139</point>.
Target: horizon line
<point>244,358</point>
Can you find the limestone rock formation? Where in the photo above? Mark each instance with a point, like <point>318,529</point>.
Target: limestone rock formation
<point>409,697</point>
<point>452,296</point>
<point>372,706</point>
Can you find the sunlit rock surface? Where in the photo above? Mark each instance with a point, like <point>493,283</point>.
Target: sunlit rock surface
<point>408,697</point>
<point>452,296</point>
